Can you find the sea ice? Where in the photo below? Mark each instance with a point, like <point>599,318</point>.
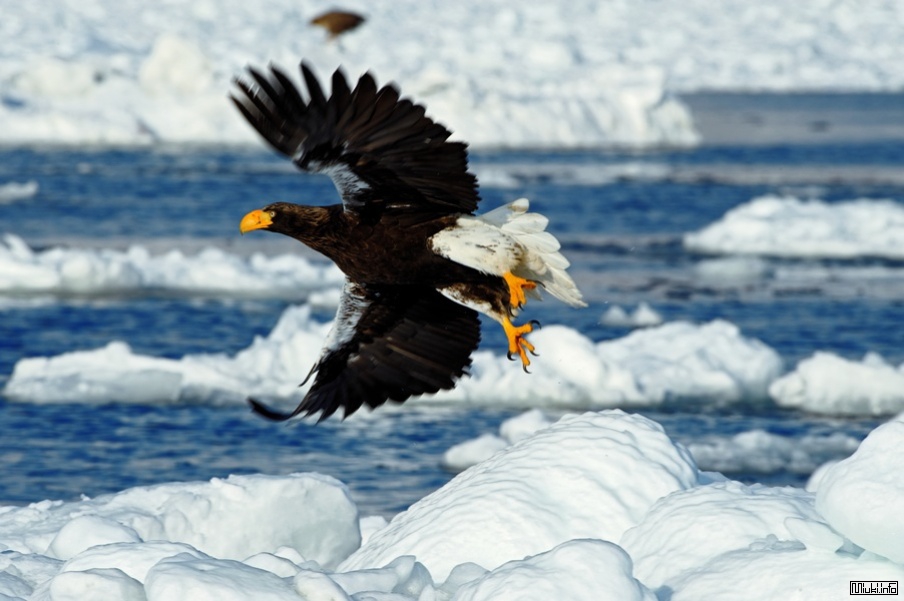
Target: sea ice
<point>670,363</point>
<point>231,518</point>
<point>105,272</point>
<point>861,496</point>
<point>677,361</point>
<point>828,384</point>
<point>786,226</point>
<point>122,73</point>
<point>608,579</point>
<point>595,506</point>
<point>526,501</point>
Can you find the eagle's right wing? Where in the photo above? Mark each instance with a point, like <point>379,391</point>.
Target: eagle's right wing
<point>388,343</point>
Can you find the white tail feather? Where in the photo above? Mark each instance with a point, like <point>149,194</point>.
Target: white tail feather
<point>542,262</point>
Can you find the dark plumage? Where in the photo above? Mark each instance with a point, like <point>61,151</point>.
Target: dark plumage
<point>418,266</point>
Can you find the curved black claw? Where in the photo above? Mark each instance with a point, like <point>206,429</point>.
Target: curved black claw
<point>524,367</point>
<point>264,411</point>
<point>535,324</point>
<point>509,355</point>
<point>534,353</point>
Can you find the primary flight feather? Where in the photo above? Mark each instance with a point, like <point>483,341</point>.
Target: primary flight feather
<point>419,264</point>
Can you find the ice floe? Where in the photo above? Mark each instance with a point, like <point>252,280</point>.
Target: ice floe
<point>828,384</point>
<point>673,362</point>
<point>125,73</point>
<point>107,272</point>
<point>785,226</point>
<point>859,496</point>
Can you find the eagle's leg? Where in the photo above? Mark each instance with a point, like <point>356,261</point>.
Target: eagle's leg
<point>516,289</point>
<point>517,341</point>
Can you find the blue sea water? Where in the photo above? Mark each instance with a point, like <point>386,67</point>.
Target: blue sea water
<point>620,215</point>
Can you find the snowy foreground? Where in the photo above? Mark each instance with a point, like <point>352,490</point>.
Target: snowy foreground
<point>596,506</point>
<point>556,74</point>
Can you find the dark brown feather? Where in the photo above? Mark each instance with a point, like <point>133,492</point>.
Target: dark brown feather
<point>409,340</point>
<point>400,156</point>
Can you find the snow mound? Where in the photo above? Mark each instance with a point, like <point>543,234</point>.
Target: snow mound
<point>728,516</point>
<point>609,580</point>
<point>828,384</point>
<point>521,502</point>
<point>73,271</point>
<point>861,495</point>
<point>785,226</point>
<point>230,518</point>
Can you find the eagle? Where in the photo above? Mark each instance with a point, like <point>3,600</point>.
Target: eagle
<point>419,264</point>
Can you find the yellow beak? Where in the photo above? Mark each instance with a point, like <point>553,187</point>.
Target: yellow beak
<point>255,220</point>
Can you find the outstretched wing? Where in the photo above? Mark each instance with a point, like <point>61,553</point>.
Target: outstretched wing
<point>388,343</point>
<point>380,150</point>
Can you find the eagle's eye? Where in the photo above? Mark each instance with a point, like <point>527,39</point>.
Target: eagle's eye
<point>272,214</point>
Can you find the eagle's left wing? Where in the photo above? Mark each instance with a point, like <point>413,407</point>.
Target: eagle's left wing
<point>381,150</point>
<point>388,343</point>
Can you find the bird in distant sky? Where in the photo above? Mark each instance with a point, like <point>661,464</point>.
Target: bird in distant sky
<point>419,264</point>
<point>337,22</point>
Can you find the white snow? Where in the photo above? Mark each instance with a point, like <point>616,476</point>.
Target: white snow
<point>861,495</point>
<point>643,316</point>
<point>595,506</point>
<point>104,272</point>
<point>609,579</point>
<point>497,74</point>
<point>786,226</point>
<point>565,74</point>
<point>472,452</point>
<point>271,366</point>
<point>674,362</point>
<point>828,384</point>
<point>232,518</point>
<point>556,485</point>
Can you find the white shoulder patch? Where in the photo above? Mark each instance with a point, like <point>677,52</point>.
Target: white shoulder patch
<point>478,244</point>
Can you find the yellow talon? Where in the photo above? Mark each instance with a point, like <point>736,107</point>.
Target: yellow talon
<point>516,289</point>
<point>517,341</point>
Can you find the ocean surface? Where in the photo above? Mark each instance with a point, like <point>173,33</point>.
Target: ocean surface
<point>621,216</point>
